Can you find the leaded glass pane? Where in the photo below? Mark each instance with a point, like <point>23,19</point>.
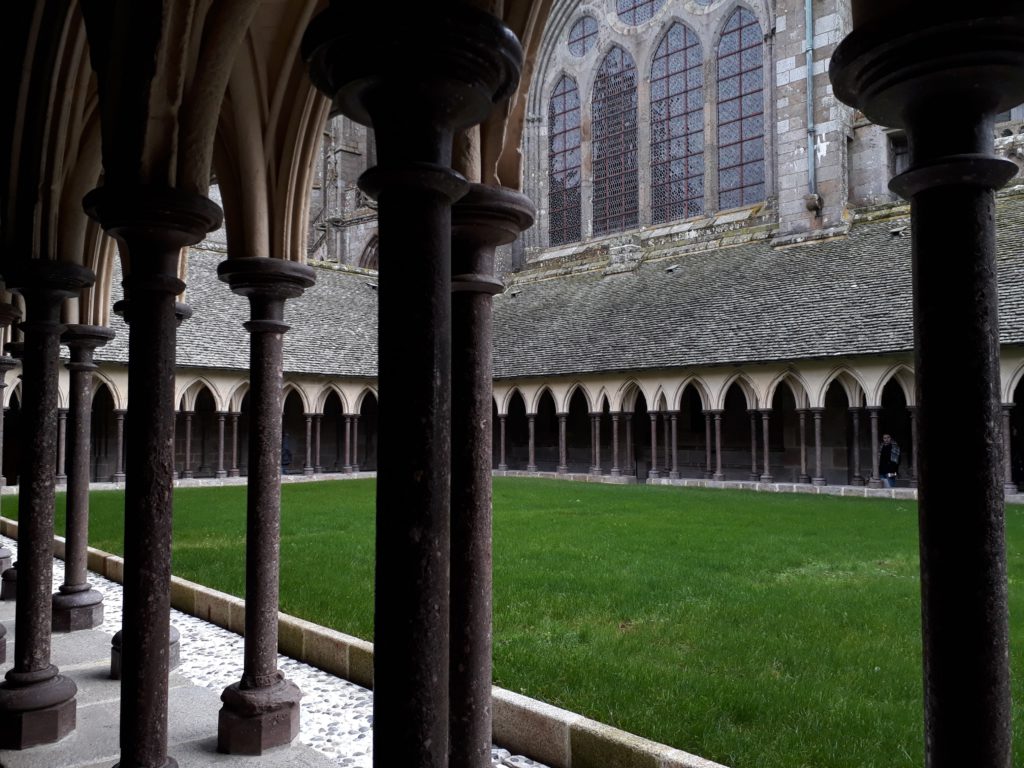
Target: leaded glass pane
<point>614,132</point>
<point>741,171</point>
<point>564,163</point>
<point>637,11</point>
<point>582,36</point>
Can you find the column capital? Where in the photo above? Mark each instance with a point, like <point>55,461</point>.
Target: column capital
<point>82,341</point>
<point>163,216</point>
<point>482,219</point>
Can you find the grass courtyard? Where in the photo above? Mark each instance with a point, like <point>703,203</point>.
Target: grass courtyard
<point>758,630</point>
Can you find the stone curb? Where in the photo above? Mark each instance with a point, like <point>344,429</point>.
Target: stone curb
<point>524,726</point>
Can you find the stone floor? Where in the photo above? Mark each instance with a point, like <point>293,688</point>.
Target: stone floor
<point>336,716</point>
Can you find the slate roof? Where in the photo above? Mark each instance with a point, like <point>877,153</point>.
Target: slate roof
<point>844,296</point>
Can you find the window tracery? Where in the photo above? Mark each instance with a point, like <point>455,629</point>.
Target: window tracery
<point>614,128</point>
<point>564,163</point>
<point>637,12</point>
<point>582,36</point>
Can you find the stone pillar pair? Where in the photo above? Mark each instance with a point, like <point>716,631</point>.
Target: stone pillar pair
<point>904,69</point>
<point>465,62</point>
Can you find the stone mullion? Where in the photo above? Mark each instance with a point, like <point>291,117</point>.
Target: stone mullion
<point>37,704</point>
<point>233,472</point>
<point>630,458</point>
<point>317,466</point>
<point>76,605</point>
<point>187,469</point>
<point>262,710</point>
<point>754,473</point>
<point>355,442</point>
<point>531,462</point>
<point>348,443</point>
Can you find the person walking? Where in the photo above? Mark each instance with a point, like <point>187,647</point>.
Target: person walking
<point>889,461</point>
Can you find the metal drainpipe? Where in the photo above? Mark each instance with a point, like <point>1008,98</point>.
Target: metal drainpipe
<point>813,200</point>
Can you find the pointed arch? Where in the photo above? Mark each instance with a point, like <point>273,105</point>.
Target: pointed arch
<point>796,384</point>
<point>509,396</point>
<point>534,402</point>
<point>100,380</point>
<point>577,386</point>
<point>852,385</point>
<point>290,387</point>
<point>701,387</point>
<point>188,392</point>
<point>236,396</point>
<point>904,377</point>
<point>330,389</point>
<point>357,402</point>
<point>746,387</point>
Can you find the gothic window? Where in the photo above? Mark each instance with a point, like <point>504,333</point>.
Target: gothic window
<point>564,159</point>
<point>614,144</point>
<point>677,127</point>
<point>582,36</point>
<point>637,11</point>
<point>741,166</point>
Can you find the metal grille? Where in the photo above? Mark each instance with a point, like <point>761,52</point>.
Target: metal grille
<point>615,144</point>
<point>637,11</point>
<point>582,36</point>
<point>677,127</point>
<point>741,178</point>
<point>564,160</point>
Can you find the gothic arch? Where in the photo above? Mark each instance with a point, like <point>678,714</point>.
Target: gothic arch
<point>701,387</point>
<point>100,379</point>
<point>625,397</point>
<point>745,385</point>
<point>851,383</point>
<point>188,393</point>
<point>237,395</point>
<point>327,390</point>
<point>300,391</point>
<point>797,386</point>
<point>581,387</point>
<point>534,401</point>
<point>904,376</point>
<point>357,402</point>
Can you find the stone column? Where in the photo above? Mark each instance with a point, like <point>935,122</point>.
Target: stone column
<point>221,418</point>
<point>233,471</point>
<point>62,445</point>
<point>485,218</point>
<point>913,445</point>
<point>465,62</point>
<point>119,476</point>
<point>262,709</point>
<point>755,475</point>
<point>595,436</point>
<point>502,463</point>
<point>857,478</point>
<point>615,471</point>
<point>77,605</point>
<point>531,465</point>
<point>37,703</point>
<point>307,466</point>
<point>563,455</point>
<point>708,471</point>
<point>875,481</point>
<point>630,461</point>
<point>355,442</point>
<point>719,475</point>
<point>348,444</point>
<point>653,471</point>
<point>674,471</point>
<point>766,476</point>
<point>6,364</point>
<point>817,414</point>
<point>152,224</point>
<point>187,469</point>
<point>802,414</point>
<point>906,71</point>
<point>317,466</point>
<point>1008,485</point>
<point>666,454</point>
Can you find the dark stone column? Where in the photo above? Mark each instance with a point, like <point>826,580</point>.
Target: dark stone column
<point>708,471</point>
<point>674,471</point>
<point>817,414</point>
<point>485,218</point>
<point>531,465</point>
<point>317,466</point>
<point>502,464</point>
<point>802,414</point>
<point>653,471</point>
<point>754,474</point>
<point>187,470</point>
<point>355,442</point>
<point>857,478</point>
<point>913,445</point>
<point>119,475</point>
<point>262,710</point>
<point>6,364</point>
<point>597,444</point>
<point>348,444</point>
<point>152,224</point>
<point>719,475</point>
<point>233,471</point>
<point>906,72</point>
<point>307,467</point>
<point>37,704</point>
<point>77,605</point>
<point>875,481</point>
<point>563,454</point>
<point>62,445</point>
<point>766,476</point>
<point>615,471</point>
<point>666,454</point>
<point>465,61</point>
<point>1008,485</point>
<point>221,418</point>
<point>630,459</point>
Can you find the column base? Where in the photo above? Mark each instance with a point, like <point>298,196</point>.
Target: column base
<point>9,584</point>
<point>73,611</point>
<point>531,467</point>
<point>61,479</point>
<point>221,474</point>
<point>707,475</point>
<point>673,475</point>
<point>767,479</point>
<point>118,477</point>
<point>595,471</point>
<point>187,474</point>
<point>818,481</point>
<point>653,474</point>
<point>503,467</point>
<point>307,471</point>
<point>254,720</point>
<point>563,470</point>
<point>318,470</point>
<point>719,476</point>
<point>803,479</point>
<point>173,652</point>
<point>1009,488</point>
<point>875,482</point>
<point>37,713</point>
<point>234,473</point>
<point>754,477</point>
<point>615,472</point>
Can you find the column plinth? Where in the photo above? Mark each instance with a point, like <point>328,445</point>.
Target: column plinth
<point>905,71</point>
<point>37,703</point>
<point>152,224</point>
<point>77,605</point>
<point>262,710</point>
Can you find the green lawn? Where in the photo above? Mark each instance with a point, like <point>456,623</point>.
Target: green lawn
<point>758,630</point>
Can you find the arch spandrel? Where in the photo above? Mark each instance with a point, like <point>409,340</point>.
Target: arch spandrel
<point>701,387</point>
<point>796,384</point>
<point>328,389</point>
<point>567,398</point>
<point>746,386</point>
<point>188,389</point>
<point>904,377</point>
<point>852,384</point>
<point>366,391</point>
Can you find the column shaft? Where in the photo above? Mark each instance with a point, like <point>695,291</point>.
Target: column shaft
<point>221,418</point>
<point>653,471</point>
<point>531,465</point>
<point>766,477</point>
<point>817,414</point>
<point>563,454</point>
<point>119,475</point>
<point>62,444</point>
<point>616,471</point>
<point>502,463</point>
<point>719,475</point>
